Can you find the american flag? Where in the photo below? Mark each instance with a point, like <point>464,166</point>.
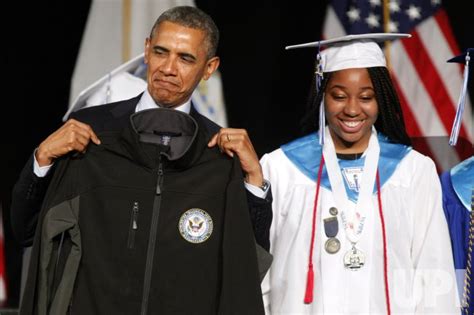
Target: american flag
<point>428,87</point>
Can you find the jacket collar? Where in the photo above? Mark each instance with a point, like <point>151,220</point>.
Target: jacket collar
<point>130,106</point>
<point>125,108</point>
<point>174,136</point>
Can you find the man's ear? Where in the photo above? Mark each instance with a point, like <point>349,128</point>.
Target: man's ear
<point>211,67</point>
<point>147,48</point>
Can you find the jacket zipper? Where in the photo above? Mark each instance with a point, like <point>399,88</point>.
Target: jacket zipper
<point>133,225</point>
<point>152,240</point>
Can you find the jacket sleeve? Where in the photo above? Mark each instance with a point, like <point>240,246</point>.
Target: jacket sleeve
<point>261,217</point>
<point>431,247</point>
<point>53,192</point>
<point>27,198</point>
<point>29,192</point>
<point>240,291</point>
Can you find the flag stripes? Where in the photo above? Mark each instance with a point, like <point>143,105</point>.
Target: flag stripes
<point>427,85</point>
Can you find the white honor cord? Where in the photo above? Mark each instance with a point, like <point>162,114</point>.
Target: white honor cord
<point>349,211</point>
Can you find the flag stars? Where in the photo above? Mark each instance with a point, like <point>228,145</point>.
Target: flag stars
<point>413,12</point>
<point>394,6</point>
<point>435,3</point>
<point>393,27</point>
<point>353,14</point>
<point>374,3</point>
<point>372,20</point>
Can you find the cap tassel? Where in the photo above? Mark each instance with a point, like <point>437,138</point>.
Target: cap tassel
<point>308,296</point>
<point>322,122</point>
<point>453,139</point>
<point>319,81</point>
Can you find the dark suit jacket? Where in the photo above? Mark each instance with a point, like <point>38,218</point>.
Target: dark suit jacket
<point>29,190</point>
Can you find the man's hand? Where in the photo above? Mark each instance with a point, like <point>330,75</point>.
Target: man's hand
<point>72,136</point>
<point>236,141</point>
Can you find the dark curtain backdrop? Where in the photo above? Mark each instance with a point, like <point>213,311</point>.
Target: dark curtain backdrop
<point>265,87</point>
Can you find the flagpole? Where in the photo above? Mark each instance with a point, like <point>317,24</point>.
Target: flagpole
<point>126,26</point>
<point>386,22</point>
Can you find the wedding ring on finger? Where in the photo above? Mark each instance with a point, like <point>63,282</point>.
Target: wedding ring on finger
<point>228,138</point>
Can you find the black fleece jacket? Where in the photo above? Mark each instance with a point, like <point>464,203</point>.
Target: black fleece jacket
<point>119,234</point>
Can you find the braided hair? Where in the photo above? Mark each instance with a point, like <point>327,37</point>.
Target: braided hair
<point>310,120</point>
<point>390,117</point>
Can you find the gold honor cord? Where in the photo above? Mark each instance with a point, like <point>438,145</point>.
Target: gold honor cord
<point>467,279</point>
<point>126,27</point>
<point>386,28</point>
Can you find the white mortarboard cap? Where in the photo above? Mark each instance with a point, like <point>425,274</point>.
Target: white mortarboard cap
<point>122,86</point>
<point>121,83</point>
<point>463,58</point>
<point>352,51</point>
<point>347,52</point>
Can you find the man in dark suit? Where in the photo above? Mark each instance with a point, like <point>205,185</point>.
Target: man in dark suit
<point>180,51</point>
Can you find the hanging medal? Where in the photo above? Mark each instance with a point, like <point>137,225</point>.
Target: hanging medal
<point>353,216</point>
<point>331,227</point>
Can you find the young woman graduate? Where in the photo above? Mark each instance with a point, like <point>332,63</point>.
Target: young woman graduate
<point>358,224</point>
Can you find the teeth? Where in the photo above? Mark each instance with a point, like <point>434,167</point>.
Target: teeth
<point>352,124</point>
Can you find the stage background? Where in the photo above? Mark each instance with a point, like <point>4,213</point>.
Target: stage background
<point>265,87</point>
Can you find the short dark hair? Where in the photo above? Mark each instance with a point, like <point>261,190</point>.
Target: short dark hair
<point>192,17</point>
<point>390,117</point>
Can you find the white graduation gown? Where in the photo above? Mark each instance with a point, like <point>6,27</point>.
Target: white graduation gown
<point>420,265</point>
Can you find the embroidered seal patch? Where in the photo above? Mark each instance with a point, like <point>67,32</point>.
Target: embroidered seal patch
<point>195,225</point>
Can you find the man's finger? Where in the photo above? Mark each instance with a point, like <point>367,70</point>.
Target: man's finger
<point>213,140</point>
<point>94,138</point>
<point>229,152</point>
<point>85,130</point>
<point>82,140</point>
